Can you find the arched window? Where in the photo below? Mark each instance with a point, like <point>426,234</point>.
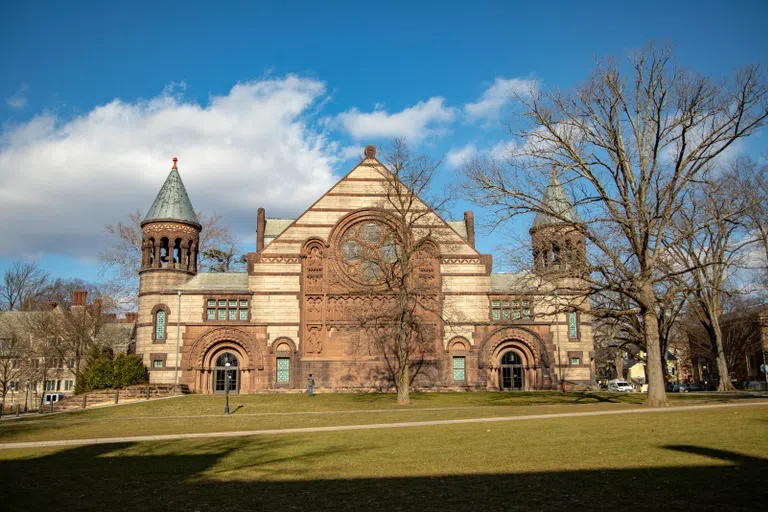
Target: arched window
<point>160,315</point>
<point>160,325</point>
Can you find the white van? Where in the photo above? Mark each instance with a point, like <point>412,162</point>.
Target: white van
<point>619,386</point>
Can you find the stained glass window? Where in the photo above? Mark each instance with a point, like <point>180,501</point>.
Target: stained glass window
<point>160,325</point>
<point>211,314</point>
<point>212,303</point>
<point>459,369</point>
<point>233,314</point>
<point>233,303</point>
<point>283,369</point>
<point>575,361</point>
<point>222,303</point>
<point>157,363</point>
<point>243,314</point>
<point>222,314</point>
<point>243,303</point>
<point>573,328</point>
<point>510,309</point>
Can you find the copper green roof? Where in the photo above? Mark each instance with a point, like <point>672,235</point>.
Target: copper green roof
<point>172,202</point>
<point>556,200</point>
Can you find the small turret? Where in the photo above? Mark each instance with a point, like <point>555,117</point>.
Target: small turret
<point>557,233</point>
<point>170,235</point>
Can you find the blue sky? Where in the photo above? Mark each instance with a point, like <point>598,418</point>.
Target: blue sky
<point>266,103</point>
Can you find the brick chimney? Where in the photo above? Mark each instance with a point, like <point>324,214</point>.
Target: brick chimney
<point>469,223</point>
<point>131,317</point>
<point>261,225</point>
<point>52,305</point>
<point>96,310</point>
<point>78,298</point>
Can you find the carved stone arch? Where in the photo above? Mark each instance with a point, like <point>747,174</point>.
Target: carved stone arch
<point>458,343</point>
<point>523,338</point>
<point>209,344</point>
<point>283,340</point>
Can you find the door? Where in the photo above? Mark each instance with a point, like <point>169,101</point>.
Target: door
<point>511,372</point>
<point>224,372</point>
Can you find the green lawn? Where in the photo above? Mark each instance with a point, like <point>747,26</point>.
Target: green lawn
<point>699,459</point>
<point>204,413</point>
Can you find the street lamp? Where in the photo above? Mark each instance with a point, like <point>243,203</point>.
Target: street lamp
<point>178,336</point>
<point>226,385</point>
<point>26,400</point>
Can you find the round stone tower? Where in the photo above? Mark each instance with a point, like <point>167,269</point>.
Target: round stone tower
<point>170,238</point>
<point>558,236</point>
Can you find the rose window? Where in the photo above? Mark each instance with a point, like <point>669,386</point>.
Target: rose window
<point>368,251</point>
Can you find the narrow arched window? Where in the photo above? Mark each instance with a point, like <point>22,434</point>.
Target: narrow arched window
<point>160,325</point>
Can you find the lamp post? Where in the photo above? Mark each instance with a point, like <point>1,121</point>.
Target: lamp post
<point>226,386</point>
<point>178,335</point>
<point>26,400</point>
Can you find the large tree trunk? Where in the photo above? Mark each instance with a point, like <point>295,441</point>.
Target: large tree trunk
<point>618,362</point>
<point>657,395</point>
<point>403,380</point>
<point>716,333</point>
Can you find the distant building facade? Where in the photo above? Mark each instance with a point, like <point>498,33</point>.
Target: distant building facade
<point>287,315</point>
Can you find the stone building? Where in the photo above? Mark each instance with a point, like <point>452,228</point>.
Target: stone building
<point>289,314</point>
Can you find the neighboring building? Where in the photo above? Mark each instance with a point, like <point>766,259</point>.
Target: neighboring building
<point>288,315</point>
<point>33,364</point>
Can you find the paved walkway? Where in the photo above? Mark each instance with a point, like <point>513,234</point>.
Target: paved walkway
<point>248,433</point>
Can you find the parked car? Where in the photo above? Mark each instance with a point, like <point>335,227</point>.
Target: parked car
<point>619,386</point>
<point>53,397</point>
<point>687,388</point>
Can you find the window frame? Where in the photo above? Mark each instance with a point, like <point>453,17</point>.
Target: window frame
<point>510,309</point>
<point>227,308</point>
<point>278,370</point>
<point>577,322</point>
<point>167,311</point>
<point>454,360</point>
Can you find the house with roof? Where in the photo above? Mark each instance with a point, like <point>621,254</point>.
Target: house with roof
<point>290,314</point>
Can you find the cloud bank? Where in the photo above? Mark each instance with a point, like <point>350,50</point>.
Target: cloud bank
<point>64,179</point>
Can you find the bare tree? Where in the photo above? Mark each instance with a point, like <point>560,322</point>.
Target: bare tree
<point>121,261</point>
<point>710,238</point>
<point>394,256</point>
<point>628,143</point>
<point>23,287</point>
<point>753,182</point>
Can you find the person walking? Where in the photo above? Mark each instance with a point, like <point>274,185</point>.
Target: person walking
<point>310,385</point>
<point>562,385</point>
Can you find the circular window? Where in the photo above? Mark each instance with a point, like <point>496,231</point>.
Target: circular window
<point>368,251</point>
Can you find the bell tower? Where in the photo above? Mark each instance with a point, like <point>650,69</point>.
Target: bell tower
<point>558,236</point>
<point>170,238</point>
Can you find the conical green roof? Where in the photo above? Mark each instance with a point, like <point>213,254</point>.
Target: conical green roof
<point>556,200</point>
<point>172,202</point>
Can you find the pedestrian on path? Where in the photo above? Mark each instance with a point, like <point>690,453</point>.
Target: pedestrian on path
<point>562,385</point>
<point>310,385</point>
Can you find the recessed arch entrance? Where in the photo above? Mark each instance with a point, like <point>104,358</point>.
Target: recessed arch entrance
<point>511,377</point>
<point>226,373</point>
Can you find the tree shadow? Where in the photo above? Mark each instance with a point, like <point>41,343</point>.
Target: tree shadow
<point>155,476</point>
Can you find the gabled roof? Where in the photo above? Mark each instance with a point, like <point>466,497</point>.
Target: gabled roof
<point>172,202</point>
<point>556,200</point>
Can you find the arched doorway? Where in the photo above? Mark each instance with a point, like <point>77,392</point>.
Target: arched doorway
<point>220,373</point>
<point>511,372</point>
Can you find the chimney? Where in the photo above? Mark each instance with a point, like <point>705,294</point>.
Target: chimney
<point>261,225</point>
<point>96,310</point>
<point>131,317</point>
<point>52,305</point>
<point>469,222</point>
<point>78,298</point>
<point>111,317</point>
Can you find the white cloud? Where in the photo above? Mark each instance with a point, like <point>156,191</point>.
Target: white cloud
<point>496,97</point>
<point>352,153</point>
<point>414,123</point>
<point>18,100</point>
<point>62,180</point>
<point>455,158</point>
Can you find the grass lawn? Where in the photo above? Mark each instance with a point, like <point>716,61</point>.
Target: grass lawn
<point>700,459</point>
<point>204,413</point>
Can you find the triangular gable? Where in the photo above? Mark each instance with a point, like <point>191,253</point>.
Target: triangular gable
<point>359,189</point>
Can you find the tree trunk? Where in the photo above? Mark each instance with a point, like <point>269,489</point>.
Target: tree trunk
<point>618,362</point>
<point>722,364</point>
<point>403,381</point>
<point>657,395</point>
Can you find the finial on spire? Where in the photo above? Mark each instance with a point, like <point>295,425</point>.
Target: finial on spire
<point>370,151</point>
<point>174,163</point>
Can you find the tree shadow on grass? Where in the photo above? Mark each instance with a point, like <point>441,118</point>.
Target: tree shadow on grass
<point>154,476</point>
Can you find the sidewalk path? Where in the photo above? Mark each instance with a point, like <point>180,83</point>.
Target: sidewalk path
<point>247,433</point>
